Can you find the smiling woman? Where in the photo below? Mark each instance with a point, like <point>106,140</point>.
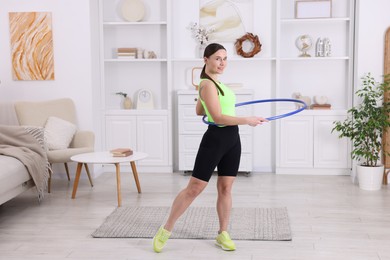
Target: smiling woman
<point>220,148</point>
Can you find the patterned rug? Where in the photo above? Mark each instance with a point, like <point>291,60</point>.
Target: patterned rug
<point>197,223</point>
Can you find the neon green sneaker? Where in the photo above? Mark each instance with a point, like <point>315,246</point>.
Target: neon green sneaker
<point>225,242</point>
<point>160,239</point>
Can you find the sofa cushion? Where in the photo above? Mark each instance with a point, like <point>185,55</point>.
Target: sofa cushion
<point>59,133</point>
<point>12,173</point>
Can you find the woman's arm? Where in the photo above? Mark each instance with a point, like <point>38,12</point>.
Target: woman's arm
<point>199,108</point>
<point>209,95</point>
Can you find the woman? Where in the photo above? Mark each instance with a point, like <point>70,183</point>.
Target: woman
<point>220,147</point>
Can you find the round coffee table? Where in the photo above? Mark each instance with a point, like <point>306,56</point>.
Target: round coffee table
<point>107,158</point>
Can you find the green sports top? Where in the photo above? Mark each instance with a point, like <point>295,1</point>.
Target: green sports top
<point>227,102</point>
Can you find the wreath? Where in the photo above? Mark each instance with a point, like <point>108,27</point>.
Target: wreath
<point>255,48</point>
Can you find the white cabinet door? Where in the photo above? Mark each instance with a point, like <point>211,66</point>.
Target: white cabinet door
<point>308,146</point>
<point>329,150</point>
<point>296,142</point>
<point>152,138</point>
<point>147,134</point>
<point>121,131</point>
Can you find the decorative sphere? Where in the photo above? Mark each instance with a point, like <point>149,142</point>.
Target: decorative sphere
<point>304,42</point>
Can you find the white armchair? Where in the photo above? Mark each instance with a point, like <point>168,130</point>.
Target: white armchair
<point>36,114</point>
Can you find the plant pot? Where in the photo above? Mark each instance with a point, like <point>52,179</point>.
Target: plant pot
<point>370,178</point>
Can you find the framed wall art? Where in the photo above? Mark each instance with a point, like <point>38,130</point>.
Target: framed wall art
<point>305,9</point>
<point>31,45</point>
<point>195,76</point>
<point>228,19</point>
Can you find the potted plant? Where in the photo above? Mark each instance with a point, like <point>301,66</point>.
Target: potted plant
<point>364,126</point>
<point>127,104</point>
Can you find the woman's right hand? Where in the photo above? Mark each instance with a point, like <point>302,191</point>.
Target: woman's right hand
<point>255,120</point>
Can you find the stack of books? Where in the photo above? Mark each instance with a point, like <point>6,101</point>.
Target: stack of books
<point>121,152</point>
<point>126,53</point>
<point>317,106</point>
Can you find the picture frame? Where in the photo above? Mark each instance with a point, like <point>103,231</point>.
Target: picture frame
<point>306,9</point>
<point>32,50</point>
<point>195,74</point>
<point>241,12</point>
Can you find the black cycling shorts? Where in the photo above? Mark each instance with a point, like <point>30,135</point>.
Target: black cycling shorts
<point>220,147</point>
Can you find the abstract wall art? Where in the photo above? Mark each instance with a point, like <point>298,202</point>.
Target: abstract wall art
<point>229,19</point>
<point>31,45</point>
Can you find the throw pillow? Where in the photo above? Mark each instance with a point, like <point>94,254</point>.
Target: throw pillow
<point>59,133</point>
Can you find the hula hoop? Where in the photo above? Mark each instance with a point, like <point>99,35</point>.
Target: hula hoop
<point>271,118</point>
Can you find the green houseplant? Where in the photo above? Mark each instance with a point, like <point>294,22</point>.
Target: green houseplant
<point>365,125</point>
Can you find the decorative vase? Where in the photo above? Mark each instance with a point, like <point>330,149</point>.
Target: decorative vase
<point>127,103</point>
<point>201,48</point>
<point>370,178</point>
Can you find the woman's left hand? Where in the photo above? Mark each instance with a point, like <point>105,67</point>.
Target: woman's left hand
<point>255,120</point>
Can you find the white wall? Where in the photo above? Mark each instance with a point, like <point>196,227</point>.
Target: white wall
<point>72,56</point>
<point>374,19</point>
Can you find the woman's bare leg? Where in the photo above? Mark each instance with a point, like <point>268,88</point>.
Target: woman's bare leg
<point>183,200</point>
<point>224,201</point>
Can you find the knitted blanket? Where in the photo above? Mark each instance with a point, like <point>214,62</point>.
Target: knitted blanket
<point>27,145</point>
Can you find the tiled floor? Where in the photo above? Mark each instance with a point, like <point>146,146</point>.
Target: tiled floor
<point>330,218</point>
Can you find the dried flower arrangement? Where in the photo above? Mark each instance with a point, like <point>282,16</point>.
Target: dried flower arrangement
<point>201,33</point>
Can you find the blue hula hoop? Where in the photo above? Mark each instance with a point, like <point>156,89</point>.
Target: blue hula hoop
<point>271,118</point>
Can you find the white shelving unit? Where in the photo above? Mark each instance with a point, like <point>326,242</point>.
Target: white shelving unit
<point>143,130</point>
<point>304,143</point>
<point>276,72</point>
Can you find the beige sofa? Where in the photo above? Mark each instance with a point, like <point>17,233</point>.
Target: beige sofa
<point>14,178</point>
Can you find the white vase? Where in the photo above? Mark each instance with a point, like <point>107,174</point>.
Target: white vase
<point>370,178</point>
<point>201,48</point>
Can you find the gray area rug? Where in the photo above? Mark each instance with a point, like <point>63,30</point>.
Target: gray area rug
<point>197,223</point>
